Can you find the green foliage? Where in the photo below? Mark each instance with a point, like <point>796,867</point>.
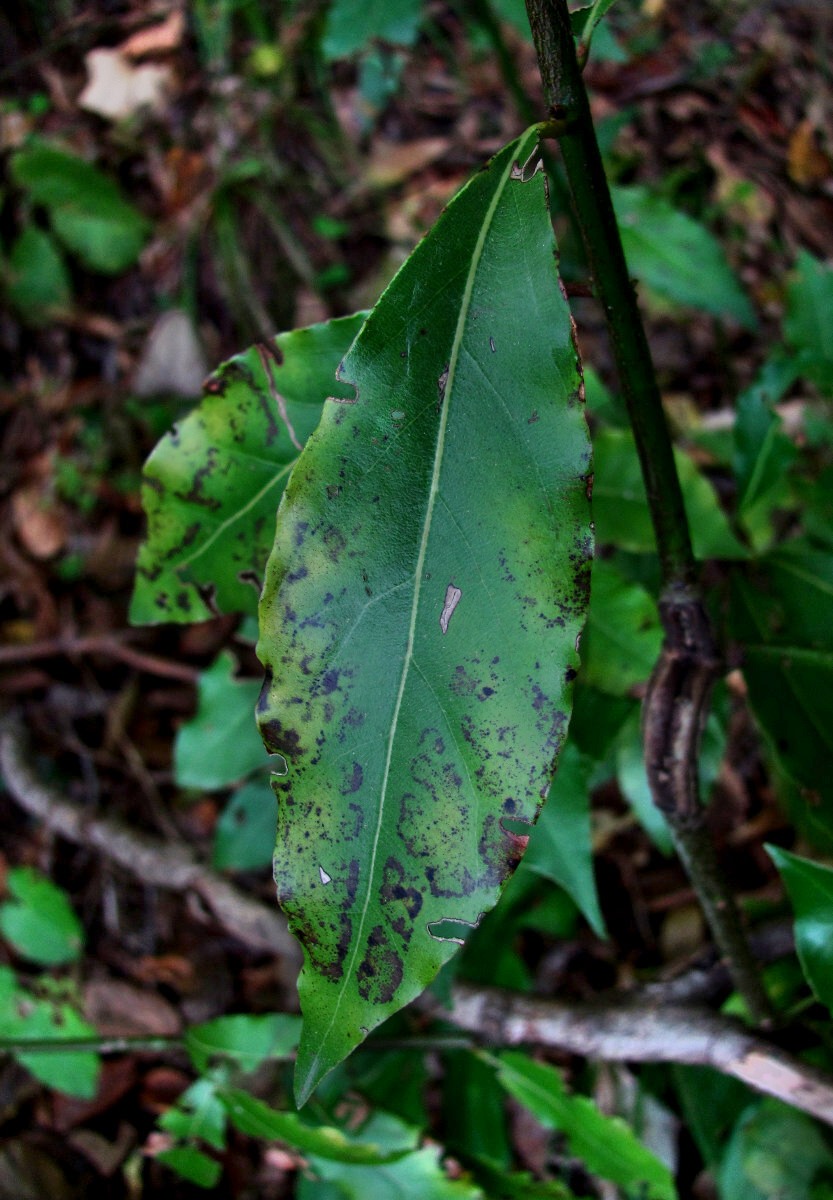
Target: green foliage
<point>782,611</point>
<point>439,500</point>
<point>401,616</point>
<point>38,285</point>
<point>606,1144</point>
<point>213,484</point>
<point>219,745</point>
<point>810,888</point>
<point>676,258</point>
<point>39,920</point>
<point>85,207</point>
<point>41,926</point>
<point>776,1154</point>
<point>807,319</point>
<point>351,27</point>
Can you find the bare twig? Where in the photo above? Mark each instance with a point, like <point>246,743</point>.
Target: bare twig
<point>107,645</point>
<point>627,1031</point>
<point>160,864</point>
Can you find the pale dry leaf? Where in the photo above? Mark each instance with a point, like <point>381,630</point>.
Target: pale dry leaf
<point>156,39</point>
<point>172,360</point>
<point>391,162</point>
<point>807,164</point>
<point>116,89</point>
<point>40,524</point>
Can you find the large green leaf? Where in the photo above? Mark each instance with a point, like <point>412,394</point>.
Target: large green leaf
<point>212,486</point>
<point>606,1145</point>
<point>810,887</point>
<point>421,610</point>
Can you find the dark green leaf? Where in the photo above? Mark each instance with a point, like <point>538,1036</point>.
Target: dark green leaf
<point>810,887</point>
<point>351,27</point>
<point>711,1105</point>
<point>87,210</point>
<point>606,1145</point>
<point>220,745</point>
<point>762,453</point>
<point>560,846</point>
<point>676,257</point>
<point>39,285</point>
<point>776,1153</point>
<point>212,486</point>
<point>474,1111</point>
<point>783,614</point>
<point>808,319</point>
<point>245,833</point>
<point>421,609</point>
<point>39,920</point>
<point>620,506</point>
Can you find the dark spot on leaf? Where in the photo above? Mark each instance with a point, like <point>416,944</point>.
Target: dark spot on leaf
<point>355,782</point>
<point>380,971</point>
<point>279,740</point>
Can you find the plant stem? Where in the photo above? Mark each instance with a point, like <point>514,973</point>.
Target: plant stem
<point>676,707</point>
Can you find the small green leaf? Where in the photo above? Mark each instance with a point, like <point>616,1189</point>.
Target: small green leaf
<point>606,1145</point>
<point>87,210</point>
<point>192,1164</point>
<point>763,454</point>
<point>560,846</point>
<point>73,1072</point>
<point>620,506</point>
<point>421,609</point>
<point>810,888</point>
<point>808,325</point>
<point>776,1153</point>
<point>198,1114</point>
<point>245,833</point>
<point>212,486</point>
<point>247,1039</point>
<point>782,612</point>
<point>39,921</point>
<point>633,784</point>
<point>351,27</point>
<point>623,637</point>
<point>677,258</point>
<point>220,745</point>
<point>251,1116</point>
<point>39,285</point>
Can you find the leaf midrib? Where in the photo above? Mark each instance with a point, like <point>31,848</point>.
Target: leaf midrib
<point>433,492</point>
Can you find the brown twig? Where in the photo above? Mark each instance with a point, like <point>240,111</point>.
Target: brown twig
<point>157,863</point>
<point>106,645</point>
<point>627,1031</point>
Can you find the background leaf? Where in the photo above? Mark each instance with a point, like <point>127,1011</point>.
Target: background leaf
<point>418,635</point>
<point>623,636</point>
<point>808,325</point>
<point>212,486</point>
<point>677,257</point>
<point>39,281</point>
<point>39,920</point>
<point>810,888</point>
<point>245,832</point>
<point>620,506</point>
<point>782,612</point>
<point>560,846</point>
<point>86,208</point>
<point>351,27</point>
<point>606,1145</point>
<point>220,744</point>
